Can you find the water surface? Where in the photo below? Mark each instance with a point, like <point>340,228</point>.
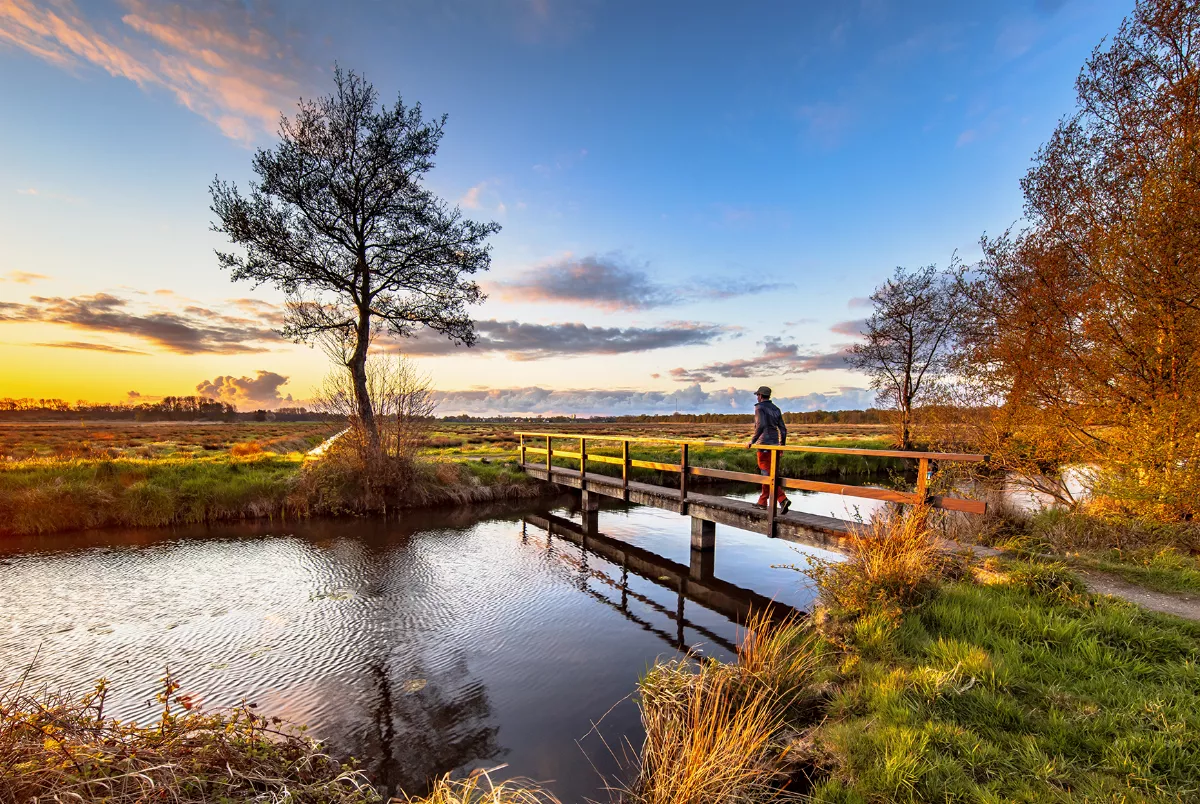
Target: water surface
<point>436,642</point>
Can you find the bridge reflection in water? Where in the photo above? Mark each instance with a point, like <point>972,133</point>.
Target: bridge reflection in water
<point>689,582</point>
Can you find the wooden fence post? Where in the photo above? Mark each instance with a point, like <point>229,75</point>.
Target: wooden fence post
<point>582,462</point>
<point>922,480</point>
<point>683,474</point>
<point>549,450</point>
<point>522,451</point>
<point>625,468</point>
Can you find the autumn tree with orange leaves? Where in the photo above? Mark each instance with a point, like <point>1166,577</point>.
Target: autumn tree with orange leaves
<point>1086,323</point>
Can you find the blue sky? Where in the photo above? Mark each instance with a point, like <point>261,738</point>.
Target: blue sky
<point>693,195</point>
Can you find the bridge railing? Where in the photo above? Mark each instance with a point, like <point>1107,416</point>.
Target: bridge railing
<point>772,479</point>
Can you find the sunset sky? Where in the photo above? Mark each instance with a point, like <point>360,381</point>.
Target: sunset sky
<point>696,197</point>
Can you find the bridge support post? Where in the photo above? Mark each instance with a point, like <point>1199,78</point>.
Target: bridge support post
<point>700,567</point>
<point>589,508</point>
<point>704,535</point>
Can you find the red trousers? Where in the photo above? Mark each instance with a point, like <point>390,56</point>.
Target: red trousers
<point>764,466</point>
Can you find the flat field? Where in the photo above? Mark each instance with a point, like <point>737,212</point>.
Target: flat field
<point>156,440</point>
<point>169,440</point>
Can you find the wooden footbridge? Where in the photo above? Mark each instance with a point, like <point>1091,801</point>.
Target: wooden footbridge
<point>708,510</point>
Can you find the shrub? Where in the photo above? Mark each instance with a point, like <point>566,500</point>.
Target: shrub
<point>892,562</point>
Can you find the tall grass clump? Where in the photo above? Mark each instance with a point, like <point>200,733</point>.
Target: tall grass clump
<point>55,748</point>
<point>892,564</point>
<point>479,788</point>
<point>720,733</point>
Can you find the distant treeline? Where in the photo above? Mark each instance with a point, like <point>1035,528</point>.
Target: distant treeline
<point>169,408</point>
<point>204,408</point>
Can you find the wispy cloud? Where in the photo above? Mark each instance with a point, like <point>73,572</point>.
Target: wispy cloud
<point>34,192</point>
<point>537,401</point>
<point>538,341</point>
<point>219,61</point>
<point>776,358</point>
<point>193,330</point>
<point>91,347</point>
<point>470,198</point>
<point>853,329</point>
<point>23,277</point>
<point>611,283</point>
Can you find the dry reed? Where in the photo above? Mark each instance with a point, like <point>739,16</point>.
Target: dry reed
<point>62,749</point>
<point>479,788</point>
<point>715,733</point>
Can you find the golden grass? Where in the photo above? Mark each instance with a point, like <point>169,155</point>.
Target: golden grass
<point>891,564</point>
<point>479,788</point>
<point>54,748</point>
<point>715,733</point>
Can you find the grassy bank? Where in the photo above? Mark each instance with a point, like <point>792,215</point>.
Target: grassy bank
<point>47,496</point>
<point>1162,556</point>
<point>931,680</point>
<point>54,748</point>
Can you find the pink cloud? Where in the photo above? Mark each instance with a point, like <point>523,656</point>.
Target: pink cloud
<point>217,62</point>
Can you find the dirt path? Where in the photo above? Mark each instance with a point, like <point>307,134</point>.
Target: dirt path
<point>1181,604</point>
<point>319,450</point>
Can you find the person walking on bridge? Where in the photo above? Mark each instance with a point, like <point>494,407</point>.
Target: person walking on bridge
<point>769,430</point>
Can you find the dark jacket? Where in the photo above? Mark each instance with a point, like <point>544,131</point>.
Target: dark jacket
<point>768,424</point>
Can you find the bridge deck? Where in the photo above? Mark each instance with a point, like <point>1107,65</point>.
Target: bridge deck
<point>808,529</point>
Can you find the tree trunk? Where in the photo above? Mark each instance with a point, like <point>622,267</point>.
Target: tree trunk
<point>362,395</point>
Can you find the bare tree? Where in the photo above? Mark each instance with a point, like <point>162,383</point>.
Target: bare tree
<point>908,338</point>
<point>340,221</point>
<point>401,395</point>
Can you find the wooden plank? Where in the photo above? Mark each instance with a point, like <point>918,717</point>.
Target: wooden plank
<point>562,453</point>
<point>958,504</point>
<point>726,474</point>
<point>594,458</point>
<point>536,450</point>
<point>665,467</point>
<point>867,492</point>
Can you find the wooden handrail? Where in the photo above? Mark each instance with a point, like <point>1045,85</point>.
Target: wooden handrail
<point>772,479</point>
<point>961,457</point>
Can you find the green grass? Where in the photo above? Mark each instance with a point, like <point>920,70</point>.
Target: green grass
<point>1021,690</point>
<point>1163,556</point>
<point>50,496</point>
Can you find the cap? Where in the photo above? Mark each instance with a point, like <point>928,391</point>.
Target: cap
<point>763,391</point>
